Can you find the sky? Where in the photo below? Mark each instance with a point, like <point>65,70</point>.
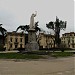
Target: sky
<point>14,13</point>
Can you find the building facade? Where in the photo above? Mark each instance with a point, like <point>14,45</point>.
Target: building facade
<point>18,40</point>
<point>68,40</point>
<point>46,40</point>
<point>14,40</point>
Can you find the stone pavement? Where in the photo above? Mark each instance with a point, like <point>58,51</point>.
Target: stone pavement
<point>58,66</point>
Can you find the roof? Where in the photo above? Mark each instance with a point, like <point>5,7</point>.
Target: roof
<point>68,33</point>
<point>14,33</point>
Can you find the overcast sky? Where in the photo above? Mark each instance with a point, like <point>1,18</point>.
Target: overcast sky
<point>17,12</point>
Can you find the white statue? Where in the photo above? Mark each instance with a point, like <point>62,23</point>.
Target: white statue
<point>32,24</point>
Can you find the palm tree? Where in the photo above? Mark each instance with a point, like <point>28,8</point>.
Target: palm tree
<point>26,27</point>
<point>23,27</point>
<point>36,27</point>
<point>3,32</point>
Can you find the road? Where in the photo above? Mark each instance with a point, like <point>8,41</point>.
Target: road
<point>57,66</point>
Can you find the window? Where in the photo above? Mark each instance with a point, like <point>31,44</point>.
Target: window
<point>20,45</point>
<point>70,34</point>
<point>68,45</point>
<point>20,39</point>
<point>73,45</point>
<point>64,38</point>
<point>64,41</point>
<point>11,39</point>
<point>65,34</point>
<point>73,41</point>
<point>72,38</point>
<point>15,39</point>
<point>10,45</point>
<point>16,46</point>
<point>51,46</point>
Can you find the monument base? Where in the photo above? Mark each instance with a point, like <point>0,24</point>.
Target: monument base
<point>32,46</point>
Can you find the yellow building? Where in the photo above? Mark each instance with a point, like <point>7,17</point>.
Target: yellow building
<point>14,40</point>
<point>18,40</point>
<point>46,40</point>
<point>68,40</point>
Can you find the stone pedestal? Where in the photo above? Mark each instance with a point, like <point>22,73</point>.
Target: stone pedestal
<point>32,44</point>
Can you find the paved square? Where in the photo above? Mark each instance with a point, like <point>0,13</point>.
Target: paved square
<point>59,66</point>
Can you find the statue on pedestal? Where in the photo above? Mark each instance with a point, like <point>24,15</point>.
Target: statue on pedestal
<point>32,44</point>
<point>32,24</point>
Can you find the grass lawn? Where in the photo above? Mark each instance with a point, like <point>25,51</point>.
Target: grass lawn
<point>34,56</point>
<point>19,56</point>
<point>62,54</point>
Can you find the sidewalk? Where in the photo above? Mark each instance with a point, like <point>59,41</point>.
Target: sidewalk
<point>15,51</point>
